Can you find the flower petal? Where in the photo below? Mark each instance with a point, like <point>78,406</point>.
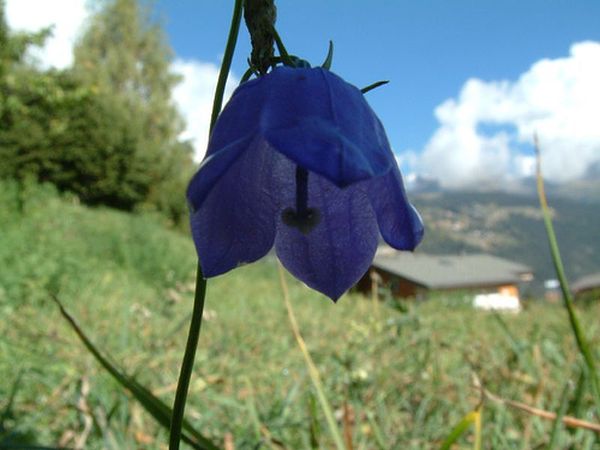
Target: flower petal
<point>324,124</point>
<point>399,222</point>
<point>313,117</point>
<point>235,222</point>
<point>240,118</point>
<point>212,169</point>
<point>333,256</point>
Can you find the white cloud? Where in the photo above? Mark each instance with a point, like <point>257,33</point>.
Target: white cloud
<point>406,160</point>
<point>559,99</point>
<point>66,18</point>
<point>194,97</point>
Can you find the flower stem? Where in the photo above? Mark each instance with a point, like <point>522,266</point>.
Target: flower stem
<point>581,340</point>
<point>187,364</point>
<point>226,64</point>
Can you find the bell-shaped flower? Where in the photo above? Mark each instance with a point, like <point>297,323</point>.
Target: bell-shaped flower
<point>298,160</point>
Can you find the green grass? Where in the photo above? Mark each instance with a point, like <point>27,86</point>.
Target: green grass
<point>406,377</point>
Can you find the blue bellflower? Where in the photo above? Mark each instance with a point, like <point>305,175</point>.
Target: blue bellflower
<point>298,160</point>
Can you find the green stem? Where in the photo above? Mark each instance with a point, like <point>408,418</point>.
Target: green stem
<point>226,64</point>
<point>188,362</point>
<point>580,338</point>
<point>200,294</point>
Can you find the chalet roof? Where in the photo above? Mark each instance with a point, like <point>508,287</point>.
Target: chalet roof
<point>450,271</point>
<point>591,281</point>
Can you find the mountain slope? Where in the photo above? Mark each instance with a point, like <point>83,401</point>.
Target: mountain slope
<point>511,226</point>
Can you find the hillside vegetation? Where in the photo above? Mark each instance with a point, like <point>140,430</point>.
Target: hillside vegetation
<point>404,379</point>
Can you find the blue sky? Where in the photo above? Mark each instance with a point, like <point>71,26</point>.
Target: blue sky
<point>469,80</point>
<point>427,49</point>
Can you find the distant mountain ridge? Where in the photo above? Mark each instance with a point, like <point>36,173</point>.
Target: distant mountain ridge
<point>586,190</point>
<point>510,225</point>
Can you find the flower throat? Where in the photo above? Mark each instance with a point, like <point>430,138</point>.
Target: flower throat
<point>303,218</point>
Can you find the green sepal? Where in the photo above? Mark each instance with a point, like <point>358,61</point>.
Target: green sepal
<point>283,53</point>
<point>373,86</point>
<point>329,59</point>
<point>247,74</point>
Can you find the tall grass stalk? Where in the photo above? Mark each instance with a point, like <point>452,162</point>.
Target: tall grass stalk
<point>478,429</point>
<point>555,435</point>
<point>312,369</point>
<point>582,343</point>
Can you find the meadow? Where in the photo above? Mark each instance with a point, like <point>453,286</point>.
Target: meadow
<point>399,376</point>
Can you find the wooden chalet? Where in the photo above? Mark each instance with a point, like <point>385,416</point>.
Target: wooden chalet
<point>414,274</point>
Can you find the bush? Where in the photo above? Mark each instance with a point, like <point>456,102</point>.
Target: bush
<point>55,130</point>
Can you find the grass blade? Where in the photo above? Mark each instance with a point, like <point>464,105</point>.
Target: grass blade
<point>312,369</point>
<point>251,410</point>
<point>11,400</point>
<point>580,338</point>
<point>473,417</point>
<point>155,406</point>
<point>558,423</point>
<point>478,429</point>
<point>377,433</point>
<point>314,428</point>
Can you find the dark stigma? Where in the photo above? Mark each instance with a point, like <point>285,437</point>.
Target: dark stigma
<point>303,218</point>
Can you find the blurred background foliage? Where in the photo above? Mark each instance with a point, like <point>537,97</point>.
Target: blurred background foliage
<point>106,129</point>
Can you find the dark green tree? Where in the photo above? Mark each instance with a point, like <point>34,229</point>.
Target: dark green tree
<point>18,83</point>
<point>56,130</point>
<point>124,55</point>
<point>106,130</point>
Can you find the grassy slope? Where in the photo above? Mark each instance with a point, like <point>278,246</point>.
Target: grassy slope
<point>406,376</point>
